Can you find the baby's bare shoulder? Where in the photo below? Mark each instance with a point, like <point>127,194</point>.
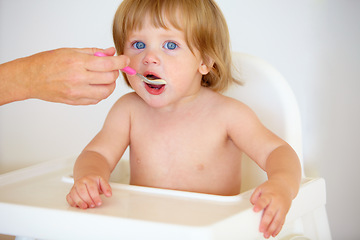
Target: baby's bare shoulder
<point>128,101</point>
<point>233,112</point>
<point>123,107</point>
<point>131,97</point>
<point>228,104</point>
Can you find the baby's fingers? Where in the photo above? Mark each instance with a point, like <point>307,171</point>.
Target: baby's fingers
<point>261,203</point>
<point>70,200</point>
<point>75,200</point>
<point>105,188</point>
<point>272,223</point>
<point>88,192</point>
<point>255,196</point>
<point>277,231</point>
<point>94,195</point>
<point>266,220</point>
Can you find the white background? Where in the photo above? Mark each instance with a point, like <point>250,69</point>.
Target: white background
<point>314,44</point>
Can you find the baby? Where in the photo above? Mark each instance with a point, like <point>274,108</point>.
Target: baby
<point>184,135</point>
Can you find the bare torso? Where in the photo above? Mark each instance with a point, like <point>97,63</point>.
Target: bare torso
<point>187,149</point>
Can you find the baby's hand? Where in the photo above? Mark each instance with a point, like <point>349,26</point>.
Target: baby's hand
<point>86,191</point>
<point>275,199</point>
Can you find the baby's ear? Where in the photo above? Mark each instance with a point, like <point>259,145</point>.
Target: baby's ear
<point>206,66</point>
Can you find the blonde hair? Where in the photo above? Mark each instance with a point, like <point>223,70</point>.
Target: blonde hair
<point>201,21</point>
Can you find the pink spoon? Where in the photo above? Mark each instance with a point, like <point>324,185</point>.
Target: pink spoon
<point>132,72</point>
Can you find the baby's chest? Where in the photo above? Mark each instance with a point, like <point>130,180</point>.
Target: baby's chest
<point>173,152</point>
<point>186,141</point>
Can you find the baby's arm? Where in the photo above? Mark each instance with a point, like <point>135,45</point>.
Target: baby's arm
<point>275,157</point>
<point>91,174</point>
<point>275,195</point>
<point>94,165</point>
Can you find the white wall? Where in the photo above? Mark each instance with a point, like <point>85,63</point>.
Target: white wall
<point>314,43</point>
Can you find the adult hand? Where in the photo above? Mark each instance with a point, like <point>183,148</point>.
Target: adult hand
<point>67,75</point>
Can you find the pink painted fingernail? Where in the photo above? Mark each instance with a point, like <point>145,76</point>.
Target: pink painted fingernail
<point>100,54</point>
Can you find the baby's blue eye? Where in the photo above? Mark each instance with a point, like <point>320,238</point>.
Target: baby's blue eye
<point>170,45</point>
<point>139,45</point>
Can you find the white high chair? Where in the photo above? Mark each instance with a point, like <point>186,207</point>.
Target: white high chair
<point>33,205</point>
<point>267,93</point>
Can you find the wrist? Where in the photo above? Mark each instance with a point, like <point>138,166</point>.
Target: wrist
<point>287,184</point>
<point>13,81</point>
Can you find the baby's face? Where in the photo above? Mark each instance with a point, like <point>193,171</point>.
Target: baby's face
<point>164,53</point>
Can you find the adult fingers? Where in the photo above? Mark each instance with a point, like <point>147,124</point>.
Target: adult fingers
<point>106,64</point>
<point>102,91</point>
<point>109,51</point>
<point>91,51</point>
<point>102,77</point>
<point>90,94</point>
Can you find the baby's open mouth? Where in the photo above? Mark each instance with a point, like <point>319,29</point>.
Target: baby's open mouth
<point>153,77</point>
<point>154,89</point>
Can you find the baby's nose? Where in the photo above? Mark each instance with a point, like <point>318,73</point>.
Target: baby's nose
<point>151,58</point>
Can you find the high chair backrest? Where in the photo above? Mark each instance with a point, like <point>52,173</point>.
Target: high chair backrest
<point>268,94</point>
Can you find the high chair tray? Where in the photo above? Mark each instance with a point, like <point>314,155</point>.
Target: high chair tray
<point>33,204</point>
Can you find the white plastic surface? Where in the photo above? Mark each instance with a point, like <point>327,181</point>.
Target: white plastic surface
<point>32,204</point>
